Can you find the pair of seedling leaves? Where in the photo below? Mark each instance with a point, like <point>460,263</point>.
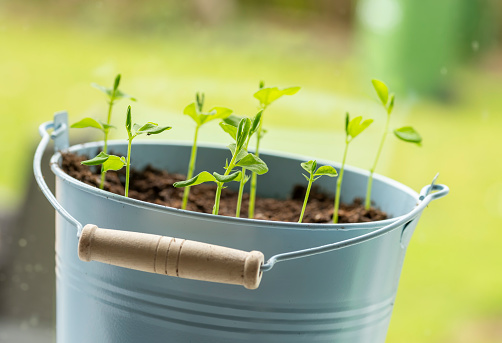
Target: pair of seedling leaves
<point>113,162</point>
<point>352,129</point>
<point>194,110</point>
<point>113,94</point>
<point>405,133</point>
<point>240,156</point>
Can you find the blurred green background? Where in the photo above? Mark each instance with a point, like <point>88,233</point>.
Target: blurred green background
<point>442,58</point>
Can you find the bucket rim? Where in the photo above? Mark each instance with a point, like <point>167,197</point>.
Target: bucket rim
<point>58,171</point>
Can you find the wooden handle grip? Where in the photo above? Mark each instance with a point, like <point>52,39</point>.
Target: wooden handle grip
<point>171,256</point>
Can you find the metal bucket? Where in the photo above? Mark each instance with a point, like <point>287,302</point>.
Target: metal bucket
<point>344,295</point>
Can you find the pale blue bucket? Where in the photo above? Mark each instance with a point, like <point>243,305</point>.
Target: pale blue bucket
<point>346,295</point>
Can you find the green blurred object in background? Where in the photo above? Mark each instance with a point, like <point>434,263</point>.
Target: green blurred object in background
<point>415,45</point>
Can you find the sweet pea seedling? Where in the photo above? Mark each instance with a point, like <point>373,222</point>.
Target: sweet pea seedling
<point>240,158</point>
<point>266,96</point>
<point>230,125</point>
<point>194,110</point>
<point>310,167</point>
<point>352,129</point>
<point>407,133</point>
<point>112,162</point>
<point>113,94</point>
<point>107,162</point>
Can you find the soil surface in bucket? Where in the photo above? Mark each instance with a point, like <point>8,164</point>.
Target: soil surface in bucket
<point>156,186</point>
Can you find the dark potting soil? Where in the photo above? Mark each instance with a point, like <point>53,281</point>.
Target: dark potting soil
<point>156,186</point>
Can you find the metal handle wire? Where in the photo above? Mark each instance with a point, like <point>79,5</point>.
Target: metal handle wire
<point>37,171</point>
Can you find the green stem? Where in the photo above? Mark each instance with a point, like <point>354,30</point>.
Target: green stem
<point>102,183</point>
<point>372,170</point>
<point>339,184</point>
<point>231,166</point>
<point>128,166</point>
<point>241,191</point>
<point>216,206</point>
<point>252,195</point>
<point>108,120</point>
<point>191,168</point>
<point>254,176</point>
<point>311,179</point>
<point>241,186</point>
<point>105,145</point>
<point>105,148</point>
<point>367,203</point>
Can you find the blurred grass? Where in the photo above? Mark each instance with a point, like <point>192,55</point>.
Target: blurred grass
<point>452,272</point>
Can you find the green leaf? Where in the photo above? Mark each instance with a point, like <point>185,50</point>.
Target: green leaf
<point>117,82</point>
<point>241,153</point>
<point>114,163</point>
<point>242,132</point>
<point>106,90</point>
<point>150,128</point>
<point>391,104</point>
<point>215,113</point>
<point>230,129</point>
<point>355,126</point>
<point>291,90</point>
<point>191,111</point>
<point>268,95</point>
<point>233,120</point>
<point>196,180</point>
<point>106,126</point>
<point>382,91</point>
<point>199,100</point>
<point>227,178</point>
<point>128,120</point>
<point>136,127</point>
<point>88,122</point>
<point>253,163</point>
<point>408,134</point>
<point>113,93</point>
<point>326,170</point>
<point>119,95</point>
<point>220,112</point>
<point>347,119</point>
<point>309,166</point>
<point>97,160</point>
<point>256,121</point>
<point>246,178</point>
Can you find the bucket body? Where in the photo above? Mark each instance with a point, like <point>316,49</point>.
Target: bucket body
<point>341,296</point>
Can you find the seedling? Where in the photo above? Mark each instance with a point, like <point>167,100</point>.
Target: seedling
<point>310,167</point>
<point>112,162</point>
<point>240,158</point>
<point>352,129</point>
<point>107,162</point>
<point>230,125</point>
<point>266,96</point>
<point>194,110</point>
<point>113,94</point>
<point>406,133</point>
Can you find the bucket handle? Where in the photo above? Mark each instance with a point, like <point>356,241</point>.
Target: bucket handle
<point>185,258</point>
